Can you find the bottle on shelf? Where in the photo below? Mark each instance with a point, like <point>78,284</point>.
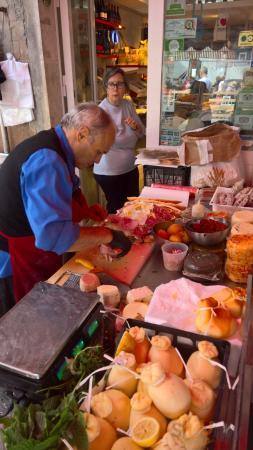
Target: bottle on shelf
<point>97,9</point>
<point>118,15</point>
<point>103,11</point>
<point>99,42</point>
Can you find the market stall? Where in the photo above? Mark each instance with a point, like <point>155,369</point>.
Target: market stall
<point>169,302</point>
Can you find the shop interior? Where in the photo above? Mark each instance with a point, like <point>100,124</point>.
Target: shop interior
<point>204,74</point>
<point>121,39</point>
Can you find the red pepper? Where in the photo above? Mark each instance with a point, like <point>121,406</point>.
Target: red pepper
<point>208,226</point>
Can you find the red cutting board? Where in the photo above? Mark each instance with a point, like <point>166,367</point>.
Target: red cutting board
<point>123,269</point>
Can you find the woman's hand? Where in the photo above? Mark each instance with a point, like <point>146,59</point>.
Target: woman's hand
<point>131,123</point>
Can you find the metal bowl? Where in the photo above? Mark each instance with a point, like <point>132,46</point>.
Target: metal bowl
<point>207,239</point>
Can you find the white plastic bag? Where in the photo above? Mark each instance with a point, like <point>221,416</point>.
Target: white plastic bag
<point>17,89</point>
<point>215,174</point>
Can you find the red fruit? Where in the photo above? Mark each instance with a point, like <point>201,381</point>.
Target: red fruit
<point>163,234</point>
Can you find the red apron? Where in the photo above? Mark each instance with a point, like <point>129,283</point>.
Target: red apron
<point>31,264</point>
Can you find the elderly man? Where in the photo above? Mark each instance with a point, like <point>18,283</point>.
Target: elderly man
<point>41,203</point>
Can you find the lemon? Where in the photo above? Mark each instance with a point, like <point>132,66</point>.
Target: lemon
<point>145,432</point>
<point>85,263</point>
<point>126,344</point>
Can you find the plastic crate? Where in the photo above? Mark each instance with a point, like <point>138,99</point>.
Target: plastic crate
<point>167,175</point>
<point>229,209</point>
<point>186,342</point>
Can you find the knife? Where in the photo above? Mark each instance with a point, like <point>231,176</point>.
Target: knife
<point>120,241</point>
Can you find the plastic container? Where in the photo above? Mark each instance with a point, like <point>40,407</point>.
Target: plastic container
<point>174,261</point>
<point>167,175</point>
<point>229,209</point>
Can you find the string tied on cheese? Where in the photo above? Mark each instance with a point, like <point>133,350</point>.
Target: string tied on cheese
<point>207,308</point>
<point>124,320</point>
<point>215,363</point>
<point>126,433</point>
<point>101,369</point>
<point>116,362</point>
<point>160,380</point>
<point>185,366</point>
<point>67,444</point>
<point>220,424</point>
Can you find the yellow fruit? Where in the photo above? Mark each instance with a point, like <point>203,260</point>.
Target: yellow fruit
<point>146,431</point>
<point>85,263</point>
<point>184,237</point>
<point>175,228</point>
<point>125,443</point>
<point>174,238</point>
<point>127,344</point>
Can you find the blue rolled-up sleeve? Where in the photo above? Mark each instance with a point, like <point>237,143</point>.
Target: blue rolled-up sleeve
<point>46,189</point>
<point>5,265</point>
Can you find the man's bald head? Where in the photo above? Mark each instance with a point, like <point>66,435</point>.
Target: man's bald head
<point>90,132</point>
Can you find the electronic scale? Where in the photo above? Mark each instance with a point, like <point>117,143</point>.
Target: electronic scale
<point>48,324</point>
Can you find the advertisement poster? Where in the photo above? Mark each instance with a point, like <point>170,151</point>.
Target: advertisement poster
<point>245,39</point>
<point>173,45</point>
<point>175,8</point>
<point>180,28</point>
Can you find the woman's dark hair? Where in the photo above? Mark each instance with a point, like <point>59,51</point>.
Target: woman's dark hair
<point>198,87</point>
<point>114,71</point>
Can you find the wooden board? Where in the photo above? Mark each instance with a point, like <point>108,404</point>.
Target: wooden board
<point>123,269</point>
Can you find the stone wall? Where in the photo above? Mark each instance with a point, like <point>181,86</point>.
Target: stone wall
<point>31,38</point>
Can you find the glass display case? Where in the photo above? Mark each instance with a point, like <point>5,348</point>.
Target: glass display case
<point>200,68</point>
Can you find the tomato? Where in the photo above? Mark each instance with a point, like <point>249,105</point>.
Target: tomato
<point>163,234</point>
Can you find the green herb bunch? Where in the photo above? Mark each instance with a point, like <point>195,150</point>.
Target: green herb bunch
<point>44,426</point>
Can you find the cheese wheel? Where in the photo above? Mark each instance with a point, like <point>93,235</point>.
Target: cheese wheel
<point>89,282</point>
<point>135,310</point>
<point>109,295</point>
<point>242,228</point>
<point>242,216</point>
<point>141,294</point>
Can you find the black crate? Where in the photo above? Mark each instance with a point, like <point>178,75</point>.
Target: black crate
<point>167,175</point>
<point>186,342</point>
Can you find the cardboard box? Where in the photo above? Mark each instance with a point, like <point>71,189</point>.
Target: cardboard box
<point>244,119</point>
<point>245,98</point>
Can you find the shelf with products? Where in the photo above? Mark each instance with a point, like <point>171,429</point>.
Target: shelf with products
<point>109,24</point>
<point>104,56</point>
<point>129,65</point>
<point>107,14</point>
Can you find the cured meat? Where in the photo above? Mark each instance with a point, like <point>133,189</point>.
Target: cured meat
<point>138,217</point>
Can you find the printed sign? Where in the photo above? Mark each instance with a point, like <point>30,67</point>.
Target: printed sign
<point>245,39</point>
<point>173,45</point>
<point>170,136</point>
<point>168,102</point>
<point>175,8</point>
<point>180,28</point>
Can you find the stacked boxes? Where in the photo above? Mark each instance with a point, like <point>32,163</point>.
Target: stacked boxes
<point>243,116</point>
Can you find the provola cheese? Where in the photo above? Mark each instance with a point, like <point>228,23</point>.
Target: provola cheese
<point>242,216</point>
<point>242,228</point>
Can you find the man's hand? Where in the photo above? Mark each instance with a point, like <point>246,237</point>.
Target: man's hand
<point>97,213</point>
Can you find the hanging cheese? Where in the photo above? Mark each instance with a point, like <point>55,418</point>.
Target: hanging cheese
<point>242,216</point>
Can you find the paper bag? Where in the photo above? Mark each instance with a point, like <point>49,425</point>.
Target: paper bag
<point>216,143</point>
